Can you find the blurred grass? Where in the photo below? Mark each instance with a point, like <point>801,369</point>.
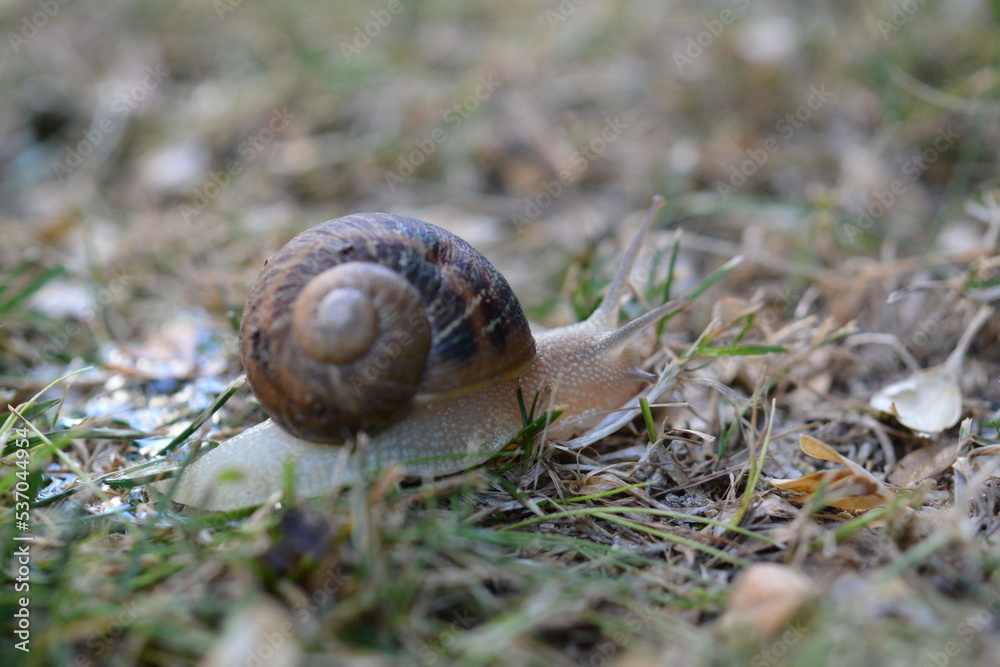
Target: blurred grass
<point>183,193</point>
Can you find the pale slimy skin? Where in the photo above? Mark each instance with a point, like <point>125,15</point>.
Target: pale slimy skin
<point>585,370</point>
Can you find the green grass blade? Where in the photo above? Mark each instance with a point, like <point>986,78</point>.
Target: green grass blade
<point>740,350</point>
<point>19,297</point>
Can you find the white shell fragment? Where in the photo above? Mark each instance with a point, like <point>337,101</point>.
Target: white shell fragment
<point>930,401</point>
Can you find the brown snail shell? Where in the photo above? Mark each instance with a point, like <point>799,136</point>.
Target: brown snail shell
<point>356,320</point>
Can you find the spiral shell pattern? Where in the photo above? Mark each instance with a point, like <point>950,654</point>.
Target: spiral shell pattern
<point>356,320</point>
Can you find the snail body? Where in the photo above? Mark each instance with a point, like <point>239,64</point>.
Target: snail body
<point>432,349</point>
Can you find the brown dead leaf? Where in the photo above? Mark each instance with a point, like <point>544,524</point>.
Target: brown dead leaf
<point>851,489</point>
<point>989,450</point>
<point>599,483</point>
<point>773,506</point>
<point>925,462</point>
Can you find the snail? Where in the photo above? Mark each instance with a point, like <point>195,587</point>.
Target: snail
<point>399,337</point>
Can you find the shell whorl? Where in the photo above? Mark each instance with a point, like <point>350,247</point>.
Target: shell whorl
<point>357,319</point>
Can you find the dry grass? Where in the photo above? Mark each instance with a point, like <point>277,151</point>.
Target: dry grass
<point>212,133</point>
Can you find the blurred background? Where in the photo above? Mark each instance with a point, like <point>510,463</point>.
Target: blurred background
<point>152,155</point>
